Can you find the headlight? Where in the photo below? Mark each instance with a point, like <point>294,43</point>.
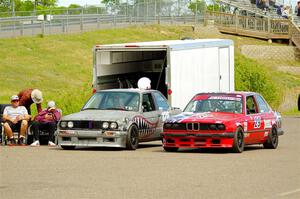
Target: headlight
<point>113,125</point>
<point>168,126</point>
<point>105,125</point>
<point>213,127</point>
<point>70,124</point>
<point>221,126</point>
<point>217,127</point>
<point>63,124</point>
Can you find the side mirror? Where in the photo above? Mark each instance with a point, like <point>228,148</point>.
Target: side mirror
<point>299,102</point>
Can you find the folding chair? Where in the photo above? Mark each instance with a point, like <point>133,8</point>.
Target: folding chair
<point>3,136</point>
<point>2,107</point>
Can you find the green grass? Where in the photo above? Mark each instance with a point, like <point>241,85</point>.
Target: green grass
<point>61,65</point>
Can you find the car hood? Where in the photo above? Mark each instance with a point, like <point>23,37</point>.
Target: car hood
<point>100,115</point>
<point>207,117</point>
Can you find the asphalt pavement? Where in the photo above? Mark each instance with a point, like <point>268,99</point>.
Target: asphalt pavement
<point>149,172</point>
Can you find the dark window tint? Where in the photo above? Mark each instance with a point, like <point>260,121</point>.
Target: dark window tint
<point>148,104</point>
<point>251,105</point>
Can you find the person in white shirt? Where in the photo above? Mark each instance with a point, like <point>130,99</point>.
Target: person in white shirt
<point>15,119</point>
<point>286,12</point>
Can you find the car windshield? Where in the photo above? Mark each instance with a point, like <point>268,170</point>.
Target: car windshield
<point>215,103</point>
<point>126,101</point>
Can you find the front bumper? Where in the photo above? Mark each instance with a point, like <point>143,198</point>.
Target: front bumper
<point>198,140</point>
<point>84,138</point>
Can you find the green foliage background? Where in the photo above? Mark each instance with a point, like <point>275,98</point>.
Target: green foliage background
<point>252,76</point>
<point>61,65</point>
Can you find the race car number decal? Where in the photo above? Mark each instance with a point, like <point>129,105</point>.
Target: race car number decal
<point>257,122</point>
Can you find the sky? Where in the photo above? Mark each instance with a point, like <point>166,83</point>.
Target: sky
<point>97,2</point>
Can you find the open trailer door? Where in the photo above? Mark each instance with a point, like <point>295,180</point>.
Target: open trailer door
<point>115,68</point>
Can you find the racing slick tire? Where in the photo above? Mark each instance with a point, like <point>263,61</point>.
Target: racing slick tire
<point>238,142</point>
<point>272,141</point>
<point>132,140</point>
<point>171,149</point>
<point>68,147</point>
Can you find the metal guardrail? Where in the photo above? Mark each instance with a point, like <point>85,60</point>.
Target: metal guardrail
<point>59,24</point>
<point>92,17</point>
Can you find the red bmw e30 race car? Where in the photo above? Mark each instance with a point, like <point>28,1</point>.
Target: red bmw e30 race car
<point>223,120</point>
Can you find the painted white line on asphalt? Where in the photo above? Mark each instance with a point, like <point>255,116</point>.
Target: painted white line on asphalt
<point>290,192</point>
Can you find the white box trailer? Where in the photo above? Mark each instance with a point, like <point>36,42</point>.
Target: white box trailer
<point>177,68</point>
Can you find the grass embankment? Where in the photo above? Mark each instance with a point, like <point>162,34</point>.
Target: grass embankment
<point>61,65</point>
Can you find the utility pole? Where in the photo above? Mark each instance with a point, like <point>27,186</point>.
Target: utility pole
<point>34,9</point>
<point>13,7</point>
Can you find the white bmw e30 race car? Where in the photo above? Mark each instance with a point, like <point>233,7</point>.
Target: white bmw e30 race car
<point>116,118</point>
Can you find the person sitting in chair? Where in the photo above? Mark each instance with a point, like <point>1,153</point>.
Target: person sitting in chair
<point>46,120</point>
<point>16,119</point>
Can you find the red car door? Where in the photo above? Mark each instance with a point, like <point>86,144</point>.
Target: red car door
<point>255,121</point>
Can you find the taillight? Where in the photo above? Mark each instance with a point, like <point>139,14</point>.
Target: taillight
<point>170,92</point>
<point>94,90</point>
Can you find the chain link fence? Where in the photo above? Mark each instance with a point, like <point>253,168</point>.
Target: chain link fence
<point>59,21</point>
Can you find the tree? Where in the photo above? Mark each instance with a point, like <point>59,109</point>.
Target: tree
<point>111,2</point>
<point>46,3</point>
<point>26,5</point>
<point>214,5</point>
<point>197,6</point>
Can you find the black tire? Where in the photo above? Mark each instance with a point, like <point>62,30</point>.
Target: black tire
<point>272,141</point>
<point>132,140</point>
<point>171,149</point>
<point>68,147</point>
<point>238,143</point>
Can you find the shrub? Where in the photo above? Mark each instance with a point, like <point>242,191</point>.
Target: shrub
<point>252,76</point>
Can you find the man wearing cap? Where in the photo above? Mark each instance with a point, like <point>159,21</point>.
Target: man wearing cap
<point>30,96</point>
<point>46,120</point>
<point>15,119</point>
